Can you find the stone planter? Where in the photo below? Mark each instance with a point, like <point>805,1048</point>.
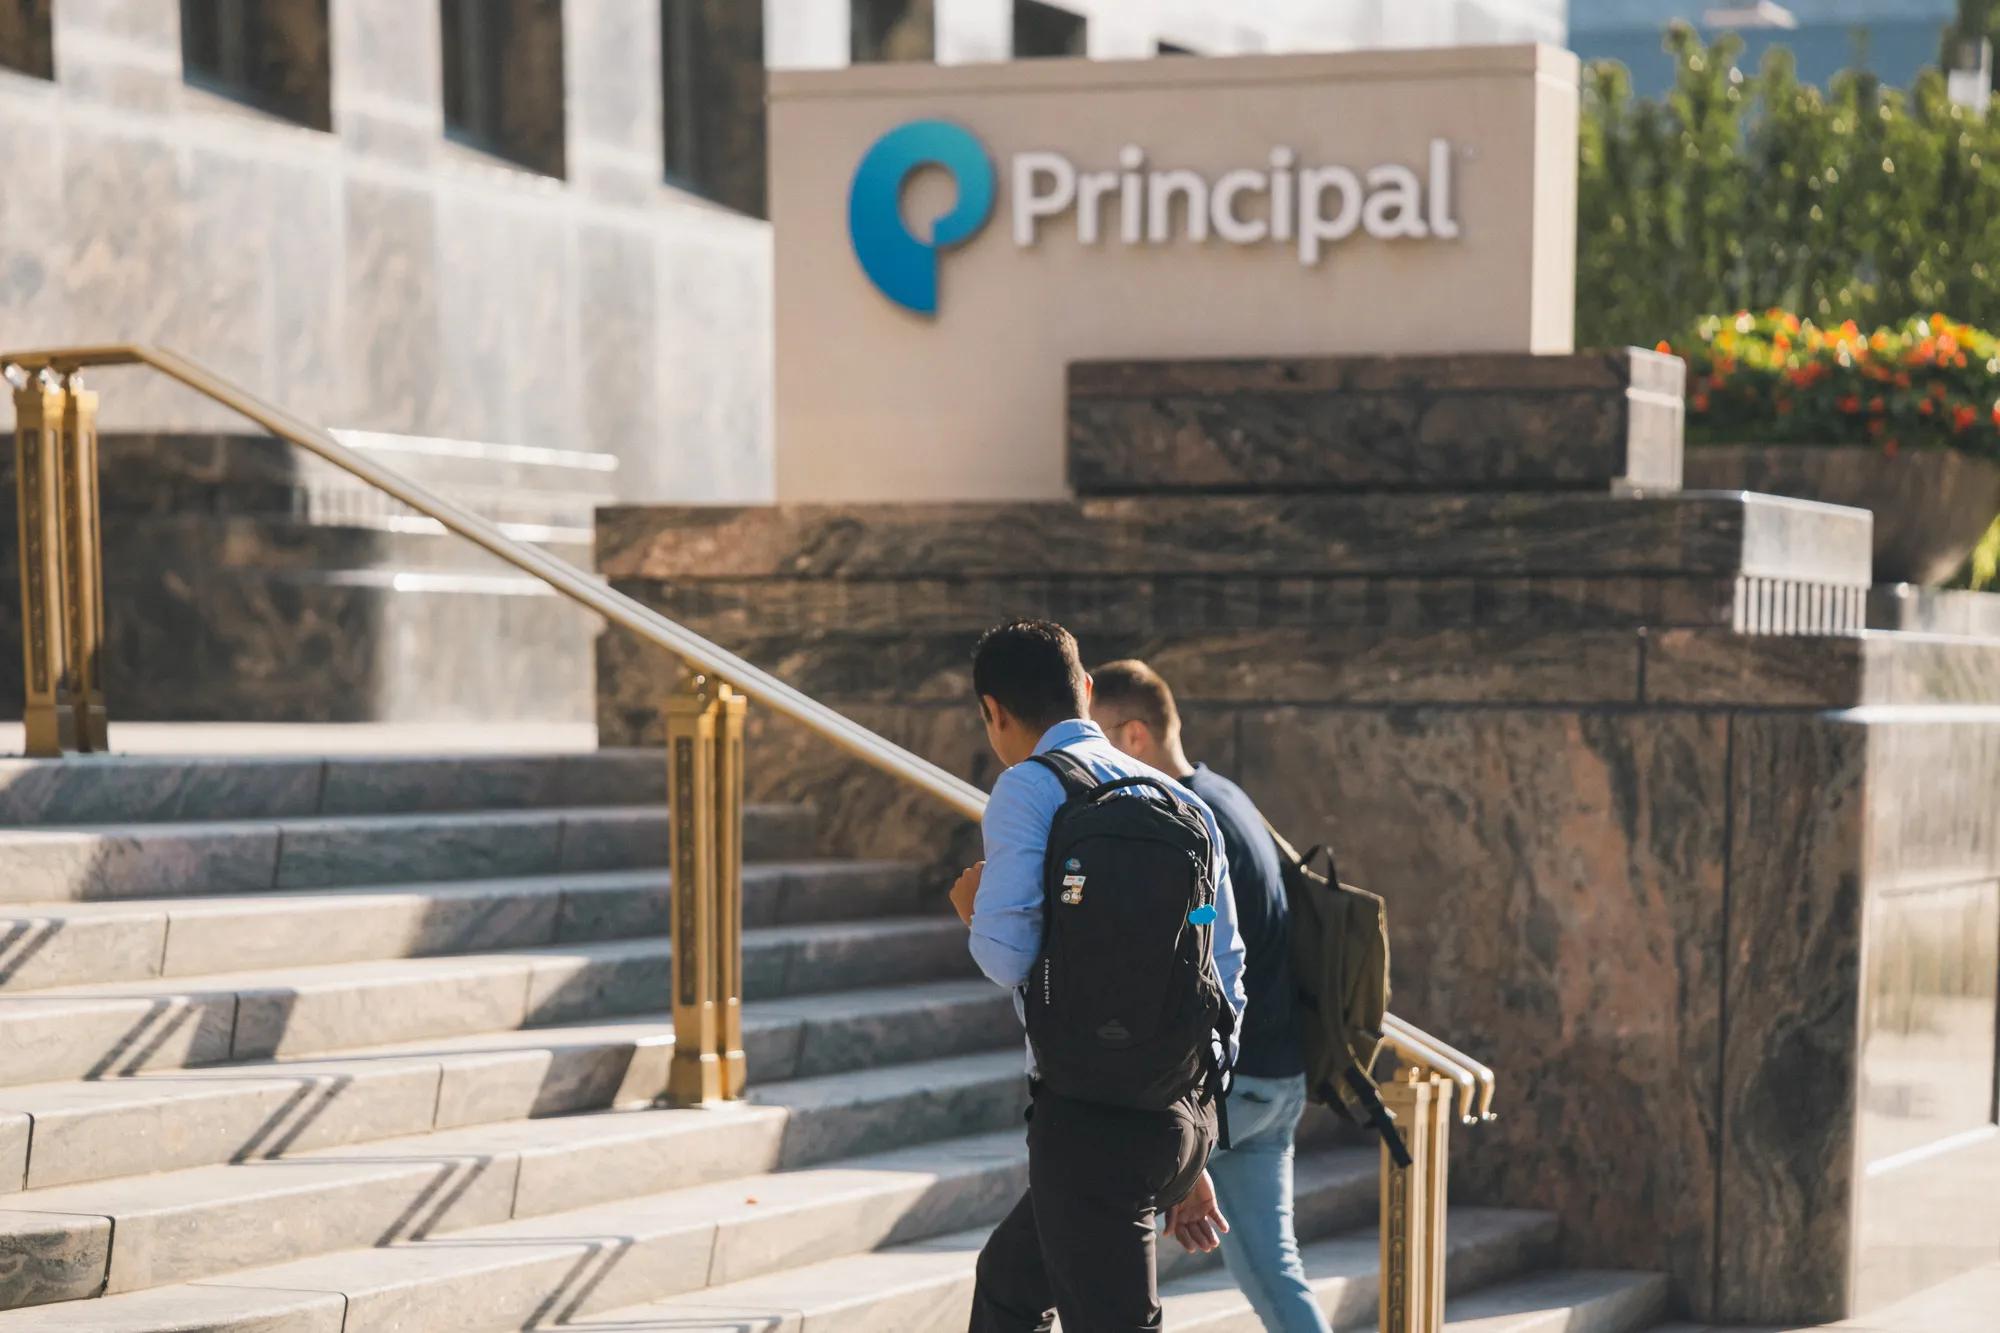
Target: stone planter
<point>1931,506</point>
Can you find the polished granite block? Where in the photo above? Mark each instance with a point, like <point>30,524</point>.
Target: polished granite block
<point>1793,993</point>
<point>1593,421</point>
<point>1709,668</point>
<point>1555,886</point>
<point>1934,610</point>
<point>1383,535</point>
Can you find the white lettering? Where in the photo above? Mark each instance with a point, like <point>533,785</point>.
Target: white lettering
<point>1315,226</point>
<point>1031,205</point>
<point>1161,187</point>
<point>1131,196</point>
<point>1091,187</point>
<point>1281,193</point>
<point>1229,225</point>
<point>1443,225</point>
<point>1395,205</point>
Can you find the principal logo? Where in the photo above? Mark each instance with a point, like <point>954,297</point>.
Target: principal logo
<point>902,266</point>
<point>1281,203</point>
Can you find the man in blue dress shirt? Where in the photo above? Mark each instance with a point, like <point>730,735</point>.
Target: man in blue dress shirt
<point>1080,1241</point>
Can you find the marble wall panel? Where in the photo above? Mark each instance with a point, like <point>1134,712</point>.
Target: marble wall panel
<point>32,209</point>
<point>303,289</point>
<point>618,365</point>
<point>614,77</point>
<point>712,366</point>
<point>386,51</point>
<point>394,311</point>
<point>1555,887</point>
<point>1792,999</point>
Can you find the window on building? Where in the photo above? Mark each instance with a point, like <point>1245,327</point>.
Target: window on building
<point>274,55</point>
<point>27,43</point>
<point>503,79</point>
<point>712,99</point>
<point>1046,30</point>
<point>892,30</point>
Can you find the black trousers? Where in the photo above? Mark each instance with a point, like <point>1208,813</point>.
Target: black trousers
<point>1080,1241</point>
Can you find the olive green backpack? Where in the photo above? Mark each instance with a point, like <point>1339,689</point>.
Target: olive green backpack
<point>1340,962</point>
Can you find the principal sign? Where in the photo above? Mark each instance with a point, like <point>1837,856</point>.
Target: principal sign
<point>1304,209</point>
<point>949,239</point>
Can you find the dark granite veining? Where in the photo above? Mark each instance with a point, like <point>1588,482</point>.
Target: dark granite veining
<point>1408,535</point>
<point>1372,423</point>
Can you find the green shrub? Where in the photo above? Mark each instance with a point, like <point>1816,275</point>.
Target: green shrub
<point>1778,379</point>
<point>1745,191</point>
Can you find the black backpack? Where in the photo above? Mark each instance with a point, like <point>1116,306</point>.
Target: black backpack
<point>1124,1006</point>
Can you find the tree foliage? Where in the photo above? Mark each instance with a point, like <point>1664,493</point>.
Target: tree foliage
<point>1749,191</point>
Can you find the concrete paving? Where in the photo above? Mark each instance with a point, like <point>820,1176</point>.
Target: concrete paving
<point>1966,1304</point>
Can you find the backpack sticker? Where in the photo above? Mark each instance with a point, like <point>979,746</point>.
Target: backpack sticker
<point>1201,916</point>
<point>1072,887</point>
<point>1072,864</point>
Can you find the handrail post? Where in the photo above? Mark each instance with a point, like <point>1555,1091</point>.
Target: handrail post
<point>83,567</point>
<point>731,711</point>
<point>38,421</point>
<point>695,1075</point>
<point>1413,1204</point>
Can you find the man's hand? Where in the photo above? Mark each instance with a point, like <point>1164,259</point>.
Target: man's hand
<point>1196,1222</point>
<point>963,892</point>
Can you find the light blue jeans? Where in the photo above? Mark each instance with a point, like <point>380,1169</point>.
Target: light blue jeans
<point>1253,1183</point>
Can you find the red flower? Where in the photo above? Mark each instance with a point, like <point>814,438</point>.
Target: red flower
<point>1875,428</point>
<point>1890,447</point>
<point>1876,404</point>
<point>1849,404</point>
<point>1937,389</point>
<point>1925,408</point>
<point>1700,402</point>
<point>1962,419</point>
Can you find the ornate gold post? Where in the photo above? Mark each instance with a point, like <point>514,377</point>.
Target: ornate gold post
<point>38,421</point>
<point>83,567</point>
<point>1413,1205</point>
<point>696,1072</point>
<point>731,709</point>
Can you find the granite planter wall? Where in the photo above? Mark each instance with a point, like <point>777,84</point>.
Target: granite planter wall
<point>1665,835</point>
<point>1931,506</point>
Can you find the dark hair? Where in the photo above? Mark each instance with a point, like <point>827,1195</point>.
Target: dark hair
<point>1135,689</point>
<point>1032,668</point>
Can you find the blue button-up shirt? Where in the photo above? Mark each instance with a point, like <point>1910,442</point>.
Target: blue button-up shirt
<point>1007,911</point>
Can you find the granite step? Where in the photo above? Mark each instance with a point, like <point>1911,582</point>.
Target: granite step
<point>69,1133</point>
<point>157,789</point>
<point>182,1226</point>
<point>87,1032</point>
<point>782,1229</point>
<point>125,861</point>
<point>71,944</point>
<point>926,1287</point>
<point>1563,1301</point>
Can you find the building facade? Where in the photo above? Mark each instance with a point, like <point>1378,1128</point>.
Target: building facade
<point>524,222</point>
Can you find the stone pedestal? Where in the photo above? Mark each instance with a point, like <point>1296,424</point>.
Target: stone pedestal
<point>247,581</point>
<point>1707,872</point>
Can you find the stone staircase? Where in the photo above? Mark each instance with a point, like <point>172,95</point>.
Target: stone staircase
<point>331,1045</point>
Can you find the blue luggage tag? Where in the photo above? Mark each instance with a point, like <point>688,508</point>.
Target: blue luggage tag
<point>1202,915</point>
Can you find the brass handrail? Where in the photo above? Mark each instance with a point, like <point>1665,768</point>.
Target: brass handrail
<point>700,654</point>
<point>1411,1043</point>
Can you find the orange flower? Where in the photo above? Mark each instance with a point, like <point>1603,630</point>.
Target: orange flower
<point>1849,404</point>
<point>1937,389</point>
<point>1876,404</point>
<point>1663,347</point>
<point>1996,411</point>
<point>1700,402</point>
<point>1902,379</point>
<point>1925,408</point>
<point>1849,329</point>
<point>1962,419</point>
<point>1879,341</point>
<point>1791,323</point>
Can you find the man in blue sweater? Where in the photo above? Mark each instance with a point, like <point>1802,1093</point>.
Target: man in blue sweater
<point>1253,1179</point>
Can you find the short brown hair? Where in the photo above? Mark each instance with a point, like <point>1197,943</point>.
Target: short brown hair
<point>1135,689</point>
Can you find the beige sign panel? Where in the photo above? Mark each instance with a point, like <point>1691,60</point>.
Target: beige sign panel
<point>950,238</point>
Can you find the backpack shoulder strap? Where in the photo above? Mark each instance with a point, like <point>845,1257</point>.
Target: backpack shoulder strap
<point>1076,779</point>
